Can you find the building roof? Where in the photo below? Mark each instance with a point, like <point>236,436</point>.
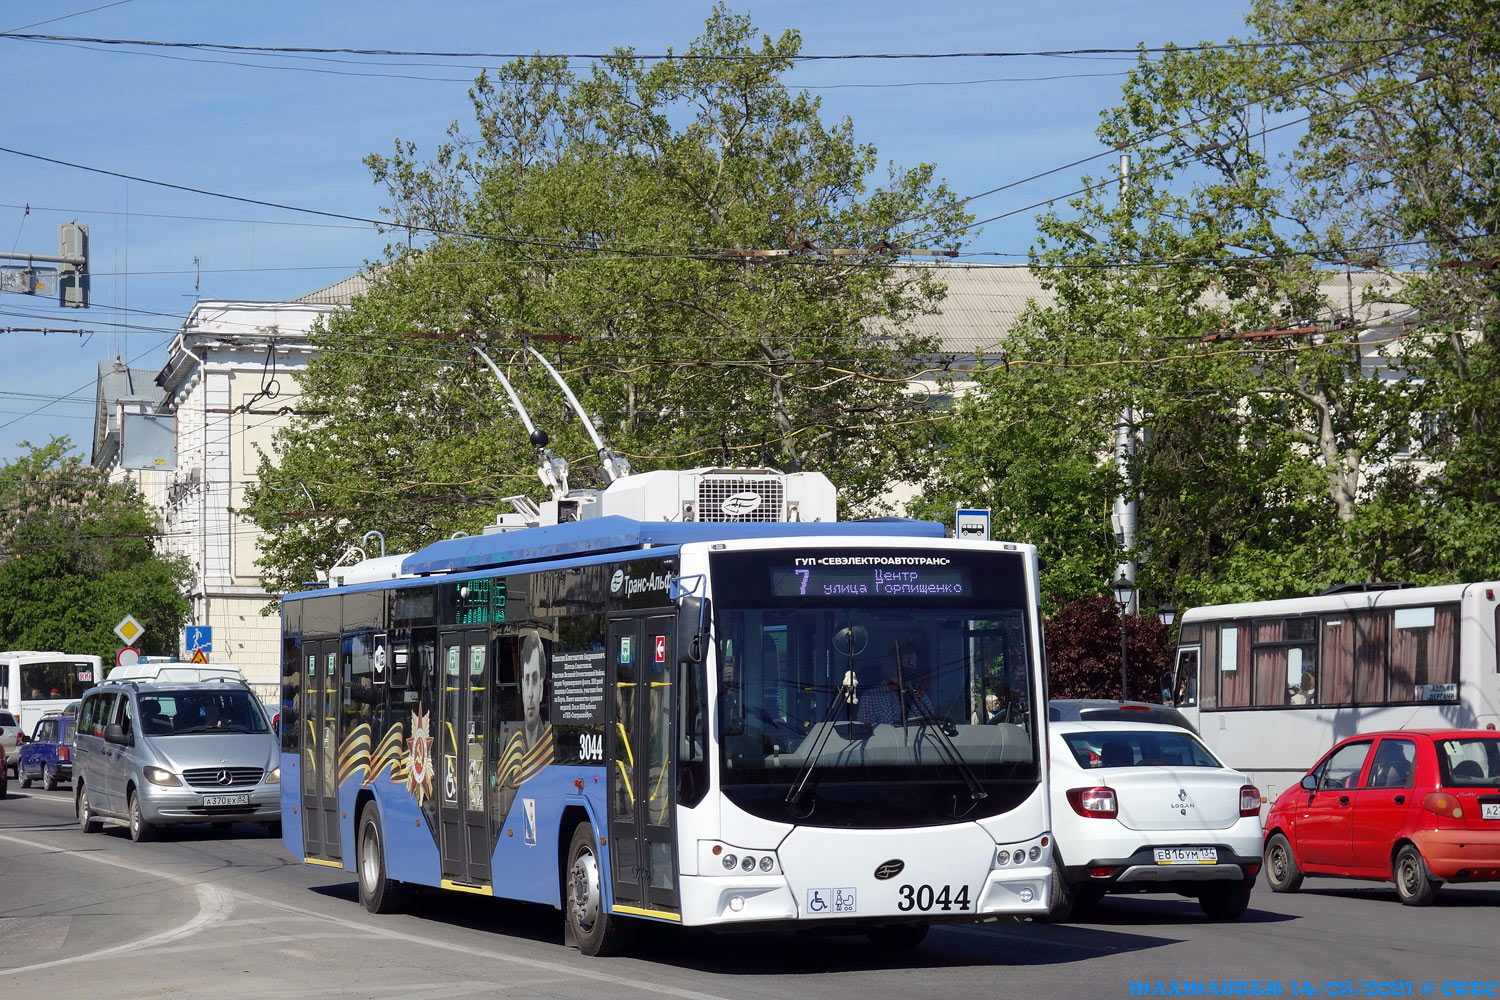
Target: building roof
<point>117,384</point>
<point>985,300</point>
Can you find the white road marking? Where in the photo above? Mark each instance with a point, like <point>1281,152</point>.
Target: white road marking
<point>212,906</point>
<point>404,938</point>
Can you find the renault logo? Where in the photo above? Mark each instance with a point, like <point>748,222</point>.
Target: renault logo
<point>889,869</point>
<point>225,777</point>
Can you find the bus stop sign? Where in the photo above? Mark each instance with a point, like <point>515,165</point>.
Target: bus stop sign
<point>973,525</point>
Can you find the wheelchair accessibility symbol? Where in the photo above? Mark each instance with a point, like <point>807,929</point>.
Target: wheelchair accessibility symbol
<point>821,901</point>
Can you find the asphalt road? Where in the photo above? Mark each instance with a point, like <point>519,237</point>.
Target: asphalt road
<point>208,913</point>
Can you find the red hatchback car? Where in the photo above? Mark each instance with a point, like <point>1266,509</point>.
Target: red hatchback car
<point>1418,808</point>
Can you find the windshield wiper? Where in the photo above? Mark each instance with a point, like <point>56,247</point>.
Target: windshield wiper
<point>846,695</point>
<point>944,729</point>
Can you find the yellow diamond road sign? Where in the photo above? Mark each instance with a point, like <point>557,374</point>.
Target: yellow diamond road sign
<point>130,630</point>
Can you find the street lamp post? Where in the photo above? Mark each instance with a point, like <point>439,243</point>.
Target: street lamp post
<point>1168,614</point>
<point>1123,589</point>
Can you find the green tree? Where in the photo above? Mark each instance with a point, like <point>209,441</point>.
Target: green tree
<point>1273,461</point>
<point>79,553</point>
<point>601,216</point>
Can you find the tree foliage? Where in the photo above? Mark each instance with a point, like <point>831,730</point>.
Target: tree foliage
<point>1083,652</point>
<point>594,215</point>
<point>1344,137</point>
<point>79,553</point>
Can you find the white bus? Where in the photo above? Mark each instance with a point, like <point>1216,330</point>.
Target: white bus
<point>1273,684</point>
<point>33,684</point>
<point>716,722</point>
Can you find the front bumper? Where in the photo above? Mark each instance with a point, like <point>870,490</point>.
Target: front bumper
<point>1460,855</point>
<point>165,805</point>
<point>1140,872</point>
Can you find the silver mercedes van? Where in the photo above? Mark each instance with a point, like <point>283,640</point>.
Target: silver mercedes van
<point>155,754</point>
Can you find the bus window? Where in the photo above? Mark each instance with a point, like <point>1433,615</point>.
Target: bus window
<point>1234,666</point>
<point>1424,650</point>
<point>1285,654</point>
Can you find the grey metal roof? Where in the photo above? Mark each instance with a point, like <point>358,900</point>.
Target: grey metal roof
<point>340,293</point>
<point>117,383</point>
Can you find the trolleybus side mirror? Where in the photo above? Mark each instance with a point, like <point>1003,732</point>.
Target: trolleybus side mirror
<point>692,625</point>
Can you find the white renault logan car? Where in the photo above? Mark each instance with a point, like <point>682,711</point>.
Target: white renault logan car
<point>1144,807</point>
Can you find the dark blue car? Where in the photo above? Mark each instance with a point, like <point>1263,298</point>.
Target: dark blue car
<point>48,756</point>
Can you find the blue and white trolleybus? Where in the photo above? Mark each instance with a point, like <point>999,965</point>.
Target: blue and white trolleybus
<point>694,697</point>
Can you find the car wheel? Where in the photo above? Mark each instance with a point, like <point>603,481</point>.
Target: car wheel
<point>140,830</point>
<point>595,931</point>
<point>897,935</point>
<point>1282,871</point>
<point>86,821</point>
<point>25,781</point>
<point>4,784</point>
<point>49,780</point>
<point>1413,885</point>
<point>1226,900</point>
<point>377,890</point>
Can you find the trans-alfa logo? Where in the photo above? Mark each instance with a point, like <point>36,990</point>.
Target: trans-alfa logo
<point>633,585</point>
<point>740,504</point>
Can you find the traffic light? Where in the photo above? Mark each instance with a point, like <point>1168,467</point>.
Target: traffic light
<point>73,279</point>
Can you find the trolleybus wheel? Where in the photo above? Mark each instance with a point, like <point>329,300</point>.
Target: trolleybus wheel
<point>897,935</point>
<point>1064,897</point>
<point>1282,871</point>
<point>377,890</point>
<point>595,931</point>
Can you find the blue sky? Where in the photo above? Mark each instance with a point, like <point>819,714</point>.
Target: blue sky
<point>232,124</point>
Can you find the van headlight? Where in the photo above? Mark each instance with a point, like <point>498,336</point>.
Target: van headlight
<point>161,776</point>
<point>274,778</point>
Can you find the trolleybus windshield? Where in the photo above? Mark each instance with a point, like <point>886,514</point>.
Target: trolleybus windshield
<point>896,685</point>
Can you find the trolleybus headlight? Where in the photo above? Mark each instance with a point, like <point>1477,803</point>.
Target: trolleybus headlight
<point>1034,853</point>
<point>730,861</point>
<point>748,864</point>
<point>1026,894</point>
<point>161,776</point>
<point>1002,857</point>
<point>1018,857</point>
<point>766,863</point>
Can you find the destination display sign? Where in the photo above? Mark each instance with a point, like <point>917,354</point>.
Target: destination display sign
<point>874,576</point>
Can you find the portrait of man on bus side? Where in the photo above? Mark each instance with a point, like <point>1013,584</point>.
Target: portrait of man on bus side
<point>533,687</point>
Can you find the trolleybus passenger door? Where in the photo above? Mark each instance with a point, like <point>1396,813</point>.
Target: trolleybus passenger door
<point>639,748</point>
<point>320,749</point>
<point>462,757</point>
